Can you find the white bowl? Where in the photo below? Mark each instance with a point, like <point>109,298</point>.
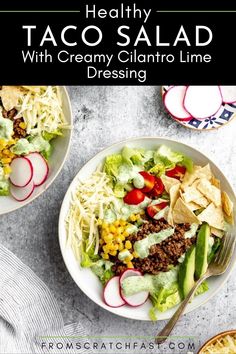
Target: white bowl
<point>86,280</point>
<point>60,150</point>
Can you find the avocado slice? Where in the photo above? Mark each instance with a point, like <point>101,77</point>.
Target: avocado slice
<point>186,273</point>
<point>201,263</point>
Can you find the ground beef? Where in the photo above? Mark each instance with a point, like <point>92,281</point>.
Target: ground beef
<point>162,255</point>
<point>9,114</point>
<point>18,131</point>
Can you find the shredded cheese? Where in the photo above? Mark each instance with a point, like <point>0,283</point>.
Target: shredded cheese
<point>87,205</point>
<point>41,109</point>
<point>223,345</point>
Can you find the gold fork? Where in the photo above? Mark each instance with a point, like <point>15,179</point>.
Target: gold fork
<point>218,266</point>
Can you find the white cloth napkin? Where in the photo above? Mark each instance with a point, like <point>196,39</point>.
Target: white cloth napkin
<point>30,317</point>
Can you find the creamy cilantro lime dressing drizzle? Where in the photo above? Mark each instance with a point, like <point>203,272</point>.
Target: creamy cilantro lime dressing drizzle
<point>142,247</point>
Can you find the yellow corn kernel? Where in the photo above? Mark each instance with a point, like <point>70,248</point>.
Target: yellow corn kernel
<point>138,216</point>
<point>6,160</point>
<point>122,237</point>
<point>106,248</point>
<point>113,253</point>
<point>120,230</point>
<point>117,223</point>
<point>112,228</point>
<point>22,125</point>
<point>112,247</point>
<point>105,256</point>
<point>142,212</point>
<point>11,142</point>
<point>128,245</point>
<point>108,238</point>
<point>125,234</point>
<point>118,239</point>
<point>121,247</point>
<point>7,170</point>
<point>6,152</point>
<point>101,242</point>
<point>116,247</point>
<point>135,254</point>
<point>123,222</point>
<point>130,265</point>
<point>104,225</point>
<point>132,217</point>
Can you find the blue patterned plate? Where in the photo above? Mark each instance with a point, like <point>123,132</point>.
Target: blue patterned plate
<point>226,113</point>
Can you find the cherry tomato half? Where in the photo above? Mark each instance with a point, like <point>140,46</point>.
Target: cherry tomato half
<point>158,188</point>
<point>135,196</point>
<point>149,181</point>
<point>152,210</point>
<point>177,172</point>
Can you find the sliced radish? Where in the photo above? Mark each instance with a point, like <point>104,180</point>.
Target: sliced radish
<point>173,101</point>
<point>40,168</point>
<point>136,299</point>
<point>22,172</point>
<point>22,193</point>
<point>111,293</point>
<point>228,93</point>
<point>202,101</point>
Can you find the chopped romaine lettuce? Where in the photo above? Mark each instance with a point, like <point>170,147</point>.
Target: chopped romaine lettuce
<point>171,158</point>
<point>103,270</point>
<point>35,144</point>
<point>88,258</point>
<point>132,156</point>
<point>112,164</point>
<point>4,188</point>
<point>168,297</point>
<point>49,136</point>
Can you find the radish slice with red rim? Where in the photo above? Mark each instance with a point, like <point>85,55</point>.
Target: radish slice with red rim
<point>202,101</point>
<point>228,93</point>
<point>111,293</point>
<point>173,101</point>
<point>40,168</point>
<point>21,172</point>
<point>22,193</point>
<point>136,299</point>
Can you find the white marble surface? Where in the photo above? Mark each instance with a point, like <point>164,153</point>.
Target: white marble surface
<point>102,116</point>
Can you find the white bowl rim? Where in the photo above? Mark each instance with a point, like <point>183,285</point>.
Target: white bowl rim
<point>61,222</point>
<point>26,202</point>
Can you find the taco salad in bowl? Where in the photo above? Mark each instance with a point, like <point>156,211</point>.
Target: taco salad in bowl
<point>31,118</point>
<point>147,222</point>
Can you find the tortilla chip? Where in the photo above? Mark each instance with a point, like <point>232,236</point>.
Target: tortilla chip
<point>229,219</point>
<point>182,214</point>
<point>169,182</point>
<point>217,232</point>
<point>209,191</point>
<point>215,182</point>
<point>227,204</point>
<point>213,216</point>
<point>198,173</point>
<point>189,178</point>
<point>193,206</point>
<point>10,96</point>
<point>174,194</point>
<point>191,194</point>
